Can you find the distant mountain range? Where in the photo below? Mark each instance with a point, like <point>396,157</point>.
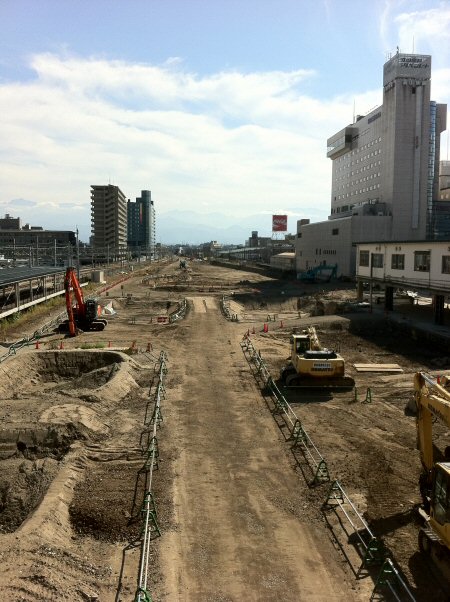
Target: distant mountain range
<point>175,227</point>
<point>190,227</point>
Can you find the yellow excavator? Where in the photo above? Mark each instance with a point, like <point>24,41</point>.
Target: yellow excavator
<point>433,402</point>
<point>311,365</point>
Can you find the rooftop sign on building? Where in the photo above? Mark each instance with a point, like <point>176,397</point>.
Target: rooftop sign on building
<point>279,223</point>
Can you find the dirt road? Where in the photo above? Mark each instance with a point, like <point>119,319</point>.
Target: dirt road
<point>240,531</point>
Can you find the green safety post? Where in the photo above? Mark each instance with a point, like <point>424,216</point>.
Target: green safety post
<point>162,389</point>
<point>368,398</point>
<point>384,578</point>
<point>153,447</point>
<point>156,416</point>
<point>322,475</point>
<point>154,523</point>
<point>298,434</point>
<point>375,553</point>
<point>148,498</point>
<point>334,493</point>
<point>356,395</point>
<point>280,404</point>
<point>147,595</point>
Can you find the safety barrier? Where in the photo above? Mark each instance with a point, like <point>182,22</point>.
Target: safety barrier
<point>391,579</point>
<point>298,435</point>
<point>180,313</point>
<point>33,338</point>
<point>225,307</point>
<point>149,511</point>
<point>369,547</point>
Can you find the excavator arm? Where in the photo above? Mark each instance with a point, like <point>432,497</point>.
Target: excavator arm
<point>68,287</point>
<point>433,401</point>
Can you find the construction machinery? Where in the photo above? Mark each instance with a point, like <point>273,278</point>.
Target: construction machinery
<point>85,314</point>
<point>321,273</point>
<point>432,397</point>
<point>312,365</point>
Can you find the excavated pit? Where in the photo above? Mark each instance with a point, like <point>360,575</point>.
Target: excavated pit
<point>44,408</point>
<point>29,461</point>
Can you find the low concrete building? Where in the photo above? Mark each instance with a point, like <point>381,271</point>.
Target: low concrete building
<point>418,265</point>
<point>326,243</point>
<point>283,261</point>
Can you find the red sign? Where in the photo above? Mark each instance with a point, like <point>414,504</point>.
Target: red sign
<point>279,223</point>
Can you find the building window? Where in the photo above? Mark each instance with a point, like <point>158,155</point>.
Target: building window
<point>377,260</point>
<point>446,264</point>
<point>421,261</point>
<point>364,259</point>
<point>398,262</point>
<point>335,231</point>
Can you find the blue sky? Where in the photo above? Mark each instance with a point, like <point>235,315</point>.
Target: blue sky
<point>217,106</point>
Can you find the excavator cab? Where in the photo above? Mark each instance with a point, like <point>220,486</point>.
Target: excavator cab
<point>300,343</point>
<point>440,495</point>
<point>91,309</point>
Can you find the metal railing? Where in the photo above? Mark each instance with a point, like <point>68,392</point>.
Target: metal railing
<point>149,512</point>
<point>368,546</point>
<point>33,338</point>
<point>180,313</point>
<point>391,579</point>
<point>225,306</point>
<point>298,435</point>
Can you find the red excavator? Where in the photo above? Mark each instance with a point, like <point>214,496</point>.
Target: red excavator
<point>85,314</point>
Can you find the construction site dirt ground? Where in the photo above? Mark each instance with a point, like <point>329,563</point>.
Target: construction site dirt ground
<point>239,516</point>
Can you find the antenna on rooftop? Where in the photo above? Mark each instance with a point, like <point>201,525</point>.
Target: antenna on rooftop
<point>354,111</point>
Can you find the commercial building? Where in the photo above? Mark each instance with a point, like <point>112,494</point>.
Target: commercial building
<point>10,223</point>
<point>13,236</point>
<point>141,223</point>
<point>108,217</point>
<point>36,237</point>
<point>385,173</point>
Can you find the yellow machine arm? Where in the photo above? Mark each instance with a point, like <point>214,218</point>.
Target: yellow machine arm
<point>433,400</point>
<point>315,343</point>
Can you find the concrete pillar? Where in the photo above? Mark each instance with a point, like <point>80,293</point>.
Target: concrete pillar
<point>389,298</point>
<point>439,309</point>
<point>359,291</point>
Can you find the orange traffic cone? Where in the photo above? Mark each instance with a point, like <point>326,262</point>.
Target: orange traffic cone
<point>37,345</point>
<point>266,328</point>
<point>61,345</point>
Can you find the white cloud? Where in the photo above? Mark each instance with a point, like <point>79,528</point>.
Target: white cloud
<point>243,143</point>
<point>428,30</point>
<point>419,25</point>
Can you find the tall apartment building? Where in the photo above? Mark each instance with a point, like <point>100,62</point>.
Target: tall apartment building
<point>141,223</point>
<point>108,217</point>
<point>385,172</point>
